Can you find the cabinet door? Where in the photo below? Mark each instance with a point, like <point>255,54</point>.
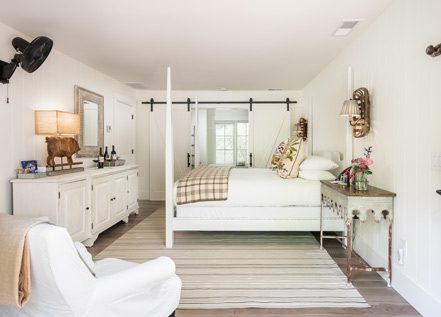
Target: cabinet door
<point>72,212</point>
<point>132,192</point>
<point>119,196</point>
<point>269,125</point>
<point>101,203</point>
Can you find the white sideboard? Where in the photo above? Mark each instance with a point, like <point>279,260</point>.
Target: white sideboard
<point>86,203</point>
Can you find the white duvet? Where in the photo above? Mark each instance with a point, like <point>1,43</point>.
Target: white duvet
<point>262,187</point>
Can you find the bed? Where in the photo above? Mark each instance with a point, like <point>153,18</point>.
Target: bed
<point>258,200</point>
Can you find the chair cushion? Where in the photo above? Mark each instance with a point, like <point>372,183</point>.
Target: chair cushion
<point>111,266</point>
<point>85,256</point>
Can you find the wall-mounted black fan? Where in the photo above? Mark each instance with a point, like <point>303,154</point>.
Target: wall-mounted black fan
<point>29,56</point>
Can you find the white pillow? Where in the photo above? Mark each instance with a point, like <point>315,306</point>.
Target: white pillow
<point>85,256</point>
<point>316,175</point>
<point>317,163</point>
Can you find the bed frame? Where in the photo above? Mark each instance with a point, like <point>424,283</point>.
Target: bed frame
<point>174,223</point>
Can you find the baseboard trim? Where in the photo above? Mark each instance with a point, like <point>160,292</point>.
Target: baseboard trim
<point>423,302</point>
<point>144,195</point>
<point>418,297</point>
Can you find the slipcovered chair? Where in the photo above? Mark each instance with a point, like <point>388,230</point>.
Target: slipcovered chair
<point>66,282</point>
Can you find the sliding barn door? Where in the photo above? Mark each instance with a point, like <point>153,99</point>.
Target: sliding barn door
<point>269,125</point>
<point>157,153</point>
<point>182,136</point>
<point>181,146</point>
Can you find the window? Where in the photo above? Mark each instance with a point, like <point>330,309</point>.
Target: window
<point>241,143</point>
<point>231,142</point>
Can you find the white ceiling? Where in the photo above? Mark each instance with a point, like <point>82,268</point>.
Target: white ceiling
<point>236,44</point>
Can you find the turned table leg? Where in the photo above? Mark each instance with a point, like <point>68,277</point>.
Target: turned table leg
<point>389,264</point>
<point>349,249</point>
<point>321,225</point>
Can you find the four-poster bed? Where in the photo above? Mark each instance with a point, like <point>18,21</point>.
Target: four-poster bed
<point>258,199</point>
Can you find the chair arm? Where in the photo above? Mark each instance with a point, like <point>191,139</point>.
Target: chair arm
<point>130,281</point>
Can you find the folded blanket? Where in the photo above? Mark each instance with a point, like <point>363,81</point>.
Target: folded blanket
<point>15,280</point>
<point>204,183</point>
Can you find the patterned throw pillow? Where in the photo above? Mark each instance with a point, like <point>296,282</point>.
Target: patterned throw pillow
<point>278,153</point>
<point>292,158</point>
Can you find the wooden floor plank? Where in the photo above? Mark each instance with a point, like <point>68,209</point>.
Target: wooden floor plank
<point>384,301</point>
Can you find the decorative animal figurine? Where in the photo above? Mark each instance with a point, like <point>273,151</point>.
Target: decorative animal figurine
<point>59,147</point>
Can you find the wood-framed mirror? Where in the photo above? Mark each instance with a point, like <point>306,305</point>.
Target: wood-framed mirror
<point>90,106</point>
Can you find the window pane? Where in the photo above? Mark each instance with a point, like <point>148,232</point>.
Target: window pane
<point>242,142</point>
<point>229,143</point>
<point>220,143</point>
<point>220,157</point>
<point>229,129</point>
<point>229,157</point>
<point>219,129</point>
<point>242,128</point>
<point>241,156</point>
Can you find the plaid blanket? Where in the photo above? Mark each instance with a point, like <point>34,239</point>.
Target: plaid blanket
<point>204,183</point>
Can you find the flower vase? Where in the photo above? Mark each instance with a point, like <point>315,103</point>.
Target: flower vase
<point>361,181</point>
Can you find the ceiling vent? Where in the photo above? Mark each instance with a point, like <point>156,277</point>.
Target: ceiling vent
<point>346,27</point>
<point>135,85</point>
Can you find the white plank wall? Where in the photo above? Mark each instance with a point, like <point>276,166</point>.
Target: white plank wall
<point>51,87</point>
<point>390,60</point>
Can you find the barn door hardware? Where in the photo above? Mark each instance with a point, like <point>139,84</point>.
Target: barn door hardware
<point>152,101</point>
<point>287,104</point>
<point>188,104</point>
<point>251,159</point>
<point>251,104</point>
<point>188,160</point>
<point>220,102</point>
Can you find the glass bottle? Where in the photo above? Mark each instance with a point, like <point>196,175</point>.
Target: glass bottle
<point>106,155</point>
<point>113,156</point>
<point>101,158</point>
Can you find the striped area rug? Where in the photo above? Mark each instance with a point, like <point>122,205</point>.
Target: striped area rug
<point>242,269</point>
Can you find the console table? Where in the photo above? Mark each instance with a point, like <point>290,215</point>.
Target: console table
<point>351,204</point>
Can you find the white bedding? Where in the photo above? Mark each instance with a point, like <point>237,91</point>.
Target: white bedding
<point>261,187</point>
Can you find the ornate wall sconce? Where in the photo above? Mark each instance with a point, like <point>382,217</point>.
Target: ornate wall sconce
<point>302,128</point>
<point>358,110</point>
<point>433,51</point>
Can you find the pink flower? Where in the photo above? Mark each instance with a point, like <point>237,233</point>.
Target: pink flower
<point>369,161</point>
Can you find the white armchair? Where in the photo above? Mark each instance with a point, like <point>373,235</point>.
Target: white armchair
<point>63,285</point>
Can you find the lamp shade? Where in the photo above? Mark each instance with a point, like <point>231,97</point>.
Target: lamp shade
<point>54,122</point>
<point>350,109</point>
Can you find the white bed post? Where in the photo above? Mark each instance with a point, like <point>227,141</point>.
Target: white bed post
<point>169,177</point>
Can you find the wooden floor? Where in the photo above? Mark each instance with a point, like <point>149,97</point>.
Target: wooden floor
<point>384,301</point>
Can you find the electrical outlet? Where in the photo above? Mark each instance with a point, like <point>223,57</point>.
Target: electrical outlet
<point>402,251</point>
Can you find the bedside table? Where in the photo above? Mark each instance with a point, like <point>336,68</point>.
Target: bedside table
<point>351,204</point>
